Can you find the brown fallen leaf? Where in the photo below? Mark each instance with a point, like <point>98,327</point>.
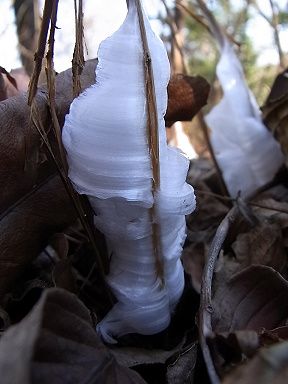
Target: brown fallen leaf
<point>252,299</point>
<point>238,346</point>
<point>194,258</point>
<point>26,227</point>
<point>186,96</point>
<point>201,227</point>
<point>174,366</point>
<point>246,309</point>
<point>275,111</point>
<point>8,84</point>
<point>270,365</point>
<point>62,271</point>
<point>264,245</point>
<point>56,343</point>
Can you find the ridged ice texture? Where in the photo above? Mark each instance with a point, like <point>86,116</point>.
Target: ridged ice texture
<point>246,151</point>
<point>106,142</point>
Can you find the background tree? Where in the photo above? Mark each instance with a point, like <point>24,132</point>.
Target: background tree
<point>27,22</point>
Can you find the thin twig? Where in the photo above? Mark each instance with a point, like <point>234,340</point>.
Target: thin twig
<point>35,116</point>
<point>273,22</point>
<point>61,166</point>
<point>202,22</point>
<point>50,73</point>
<point>78,54</point>
<point>258,205</point>
<point>214,26</point>
<point>39,55</point>
<point>232,200</point>
<point>205,131</point>
<point>206,309</point>
<point>152,135</point>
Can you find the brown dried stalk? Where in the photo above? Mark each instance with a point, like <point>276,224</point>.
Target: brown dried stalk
<point>232,200</point>
<point>205,131</point>
<point>50,73</point>
<point>78,54</point>
<point>39,55</point>
<point>36,120</point>
<point>152,136</point>
<point>206,309</point>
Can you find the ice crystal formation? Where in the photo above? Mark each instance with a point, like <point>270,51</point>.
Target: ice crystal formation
<point>105,136</point>
<point>246,151</point>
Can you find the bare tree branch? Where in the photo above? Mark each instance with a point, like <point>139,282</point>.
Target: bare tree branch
<point>273,22</point>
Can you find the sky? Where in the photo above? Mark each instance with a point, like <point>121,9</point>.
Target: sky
<point>102,18</point>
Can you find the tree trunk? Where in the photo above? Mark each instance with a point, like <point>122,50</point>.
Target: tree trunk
<point>27,22</point>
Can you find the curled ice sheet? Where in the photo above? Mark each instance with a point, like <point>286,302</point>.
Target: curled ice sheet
<point>107,149</point>
<point>247,153</point>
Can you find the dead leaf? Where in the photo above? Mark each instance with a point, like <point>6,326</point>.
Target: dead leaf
<point>56,343</point>
<point>246,308</point>
<point>264,245</point>
<point>26,227</point>
<point>170,366</point>
<point>202,223</point>
<point>62,271</point>
<point>186,96</point>
<point>201,227</point>
<point>194,258</point>
<point>270,365</point>
<point>8,84</point>
<point>252,299</point>
<point>234,348</point>
<point>275,111</point>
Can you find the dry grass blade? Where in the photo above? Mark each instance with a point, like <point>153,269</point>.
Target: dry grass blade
<point>9,77</point>
<point>61,165</point>
<point>39,55</point>
<point>152,134</point>
<point>78,55</point>
<point>50,73</point>
<point>205,311</point>
<point>69,189</point>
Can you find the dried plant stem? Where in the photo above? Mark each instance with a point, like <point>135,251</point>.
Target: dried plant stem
<point>152,135</point>
<point>206,309</point>
<point>39,55</point>
<point>61,166</point>
<point>78,55</point>
<point>258,205</point>
<point>50,73</point>
<point>205,131</point>
<point>253,204</point>
<point>35,116</point>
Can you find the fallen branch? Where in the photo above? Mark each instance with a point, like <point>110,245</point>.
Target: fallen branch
<point>206,309</point>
